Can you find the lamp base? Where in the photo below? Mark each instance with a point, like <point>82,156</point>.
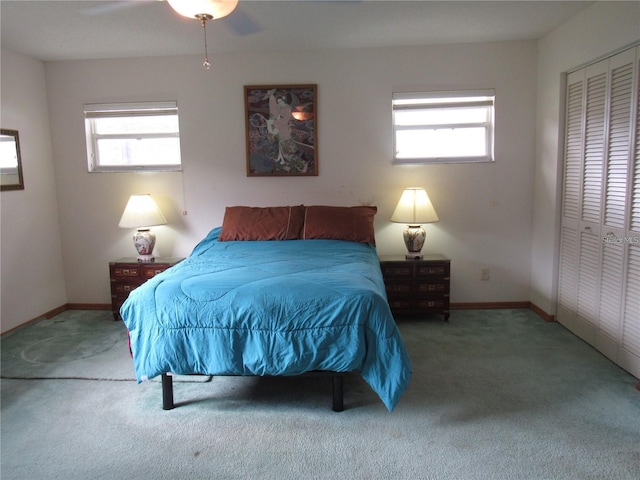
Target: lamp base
<point>414,237</point>
<point>144,241</point>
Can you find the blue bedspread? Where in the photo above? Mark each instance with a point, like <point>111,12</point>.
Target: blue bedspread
<point>269,308</point>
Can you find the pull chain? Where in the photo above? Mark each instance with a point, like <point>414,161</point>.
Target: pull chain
<point>203,20</point>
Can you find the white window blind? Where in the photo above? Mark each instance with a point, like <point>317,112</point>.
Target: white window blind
<point>132,136</point>
<point>443,127</point>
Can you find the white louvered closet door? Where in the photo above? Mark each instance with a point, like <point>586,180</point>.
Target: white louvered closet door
<point>599,274</point>
<point>571,201</point>
<point>589,226</point>
<point>629,352</point>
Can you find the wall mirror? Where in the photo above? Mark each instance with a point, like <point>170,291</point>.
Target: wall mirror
<point>10,161</point>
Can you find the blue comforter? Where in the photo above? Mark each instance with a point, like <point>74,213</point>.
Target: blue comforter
<point>269,308</point>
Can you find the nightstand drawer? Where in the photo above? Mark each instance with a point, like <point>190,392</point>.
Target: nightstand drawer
<point>401,304</point>
<point>433,303</point>
<point>397,271</point>
<point>150,271</point>
<point>396,288</point>
<point>126,271</point>
<point>418,305</point>
<point>432,270</point>
<point>432,287</point>
<point>123,288</point>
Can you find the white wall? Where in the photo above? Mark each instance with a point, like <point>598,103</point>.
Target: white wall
<point>31,263</point>
<point>355,148</point>
<point>598,31</point>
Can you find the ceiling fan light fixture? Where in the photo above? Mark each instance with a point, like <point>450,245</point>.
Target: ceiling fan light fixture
<point>208,9</point>
<point>204,10</point>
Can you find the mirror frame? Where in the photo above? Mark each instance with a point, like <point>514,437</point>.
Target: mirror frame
<point>20,184</point>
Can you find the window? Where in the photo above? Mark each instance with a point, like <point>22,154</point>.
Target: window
<point>443,127</point>
<point>132,136</point>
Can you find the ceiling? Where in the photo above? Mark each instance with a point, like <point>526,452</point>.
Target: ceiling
<point>54,30</point>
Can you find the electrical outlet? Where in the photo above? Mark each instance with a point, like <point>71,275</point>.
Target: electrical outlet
<point>485,275</point>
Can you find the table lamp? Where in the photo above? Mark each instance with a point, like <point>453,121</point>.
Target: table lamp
<point>142,212</point>
<point>414,209</point>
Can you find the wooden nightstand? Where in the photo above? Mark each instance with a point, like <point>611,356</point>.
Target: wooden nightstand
<point>417,286</point>
<point>127,274</point>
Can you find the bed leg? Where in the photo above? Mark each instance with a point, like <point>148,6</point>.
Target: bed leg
<point>167,392</point>
<point>338,404</point>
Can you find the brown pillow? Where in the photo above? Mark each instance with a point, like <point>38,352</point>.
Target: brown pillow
<point>262,223</point>
<point>340,223</point>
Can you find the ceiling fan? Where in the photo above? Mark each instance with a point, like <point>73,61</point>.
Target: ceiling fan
<point>201,10</point>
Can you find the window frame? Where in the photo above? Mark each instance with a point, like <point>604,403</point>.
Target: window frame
<point>441,100</point>
<point>97,111</point>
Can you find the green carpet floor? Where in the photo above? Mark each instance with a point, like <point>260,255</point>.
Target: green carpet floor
<point>495,394</point>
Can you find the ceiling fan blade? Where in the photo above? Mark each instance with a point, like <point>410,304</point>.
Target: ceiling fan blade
<point>103,8</point>
<point>241,23</point>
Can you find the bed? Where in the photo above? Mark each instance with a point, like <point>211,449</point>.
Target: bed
<point>274,291</point>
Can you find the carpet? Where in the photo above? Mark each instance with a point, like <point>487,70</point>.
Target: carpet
<point>74,345</point>
<point>495,394</point>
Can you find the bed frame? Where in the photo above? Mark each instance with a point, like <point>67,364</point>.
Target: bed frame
<point>337,380</point>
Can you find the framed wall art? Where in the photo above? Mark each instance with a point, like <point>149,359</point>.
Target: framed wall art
<point>282,130</point>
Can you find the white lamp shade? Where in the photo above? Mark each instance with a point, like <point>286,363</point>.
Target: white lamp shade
<point>194,8</point>
<point>141,211</point>
<point>414,208</point>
